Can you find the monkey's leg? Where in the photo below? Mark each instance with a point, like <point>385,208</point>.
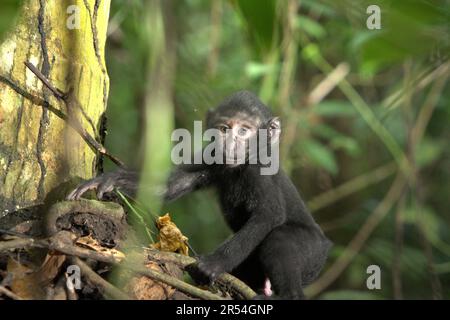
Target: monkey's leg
<point>250,271</point>
<point>283,263</point>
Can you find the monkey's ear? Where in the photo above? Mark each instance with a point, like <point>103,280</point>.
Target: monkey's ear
<point>274,123</point>
<point>274,126</point>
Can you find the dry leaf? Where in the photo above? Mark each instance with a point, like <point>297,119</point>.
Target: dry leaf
<point>24,281</point>
<point>143,288</point>
<point>50,268</point>
<point>170,237</point>
<point>91,243</point>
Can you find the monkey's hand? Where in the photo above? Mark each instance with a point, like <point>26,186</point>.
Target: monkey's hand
<point>206,270</point>
<point>107,182</point>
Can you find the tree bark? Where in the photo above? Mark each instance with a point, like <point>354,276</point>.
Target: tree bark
<point>38,149</point>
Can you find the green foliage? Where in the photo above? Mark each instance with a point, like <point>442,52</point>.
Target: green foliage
<point>405,24</point>
<point>311,27</point>
<point>428,151</point>
<point>363,122</point>
<point>319,155</point>
<point>350,295</point>
<point>260,20</point>
<point>336,108</point>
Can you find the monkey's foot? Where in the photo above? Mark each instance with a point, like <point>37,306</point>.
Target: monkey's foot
<point>205,271</point>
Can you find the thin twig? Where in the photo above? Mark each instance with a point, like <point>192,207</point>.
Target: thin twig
<point>370,118</point>
<point>176,283</point>
<point>17,243</point>
<point>316,95</point>
<point>362,181</point>
<point>417,133</point>
<point>9,293</point>
<point>56,92</point>
<point>98,281</point>
<point>398,217</point>
<point>427,110</point>
<point>216,26</point>
<point>328,84</point>
<point>359,239</point>
<point>289,49</point>
<point>396,262</point>
<point>226,280</point>
<point>73,122</point>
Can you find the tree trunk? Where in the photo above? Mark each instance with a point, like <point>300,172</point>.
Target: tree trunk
<point>38,149</point>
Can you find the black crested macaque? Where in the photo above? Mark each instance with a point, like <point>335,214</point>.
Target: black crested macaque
<point>275,236</point>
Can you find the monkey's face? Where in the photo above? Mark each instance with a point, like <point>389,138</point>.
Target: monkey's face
<point>236,134</point>
<point>241,136</point>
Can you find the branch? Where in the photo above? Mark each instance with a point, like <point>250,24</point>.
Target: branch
<point>63,242</point>
<point>226,280</point>
<point>98,281</point>
<point>56,92</point>
<point>176,283</point>
<point>71,103</point>
<point>17,243</point>
<point>9,293</point>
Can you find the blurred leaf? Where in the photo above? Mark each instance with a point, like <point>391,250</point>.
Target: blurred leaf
<point>380,251</point>
<point>311,52</point>
<point>428,151</point>
<point>8,14</point>
<point>260,18</point>
<point>254,69</point>
<point>320,155</point>
<point>442,267</point>
<point>318,7</point>
<point>433,226</point>
<point>348,144</point>
<point>431,223</point>
<point>334,108</point>
<point>350,295</point>
<point>310,26</point>
<point>323,130</point>
<point>336,138</point>
<point>405,24</point>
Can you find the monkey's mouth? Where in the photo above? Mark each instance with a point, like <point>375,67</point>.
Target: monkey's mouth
<point>229,161</point>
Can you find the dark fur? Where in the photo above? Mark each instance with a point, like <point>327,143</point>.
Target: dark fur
<point>274,234</point>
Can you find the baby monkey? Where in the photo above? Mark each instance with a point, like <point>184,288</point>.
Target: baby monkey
<point>275,237</point>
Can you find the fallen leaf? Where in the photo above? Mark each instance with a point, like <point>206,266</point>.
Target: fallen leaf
<point>50,268</point>
<point>170,237</point>
<point>24,281</point>
<point>144,288</point>
<point>90,243</point>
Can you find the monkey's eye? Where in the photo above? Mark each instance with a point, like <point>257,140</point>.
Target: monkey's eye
<point>222,128</point>
<point>242,131</point>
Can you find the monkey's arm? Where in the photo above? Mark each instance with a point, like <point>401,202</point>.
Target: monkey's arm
<point>185,179</point>
<point>122,179</point>
<point>235,250</point>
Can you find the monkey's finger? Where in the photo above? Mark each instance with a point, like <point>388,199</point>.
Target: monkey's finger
<point>105,187</point>
<point>78,192</point>
<point>199,273</point>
